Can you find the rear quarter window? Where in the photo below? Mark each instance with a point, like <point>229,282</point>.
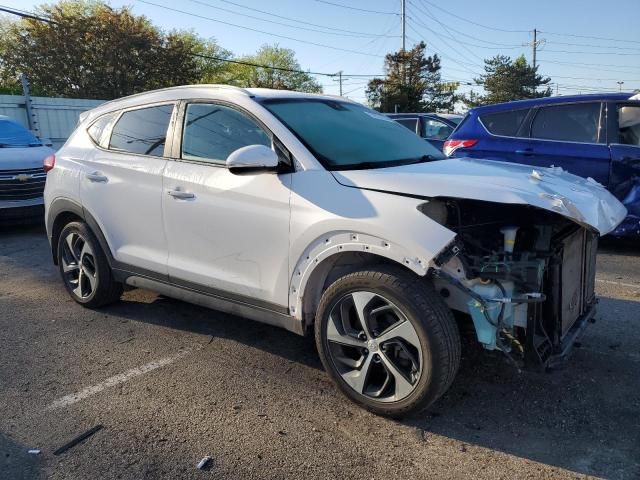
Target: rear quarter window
<point>506,124</point>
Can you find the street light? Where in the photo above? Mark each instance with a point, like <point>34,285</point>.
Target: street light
<point>620,85</point>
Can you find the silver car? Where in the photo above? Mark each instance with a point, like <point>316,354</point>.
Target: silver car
<point>23,160</point>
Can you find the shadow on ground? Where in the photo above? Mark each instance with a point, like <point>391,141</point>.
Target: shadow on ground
<point>16,463</point>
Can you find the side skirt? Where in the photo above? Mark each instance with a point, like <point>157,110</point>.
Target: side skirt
<point>219,303</point>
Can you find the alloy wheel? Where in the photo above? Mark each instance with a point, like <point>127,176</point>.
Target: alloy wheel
<point>79,266</point>
<point>374,347</point>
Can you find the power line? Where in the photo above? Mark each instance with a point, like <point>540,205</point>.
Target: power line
<point>24,14</point>
<point>306,23</point>
<point>635,49</point>
<point>255,30</point>
<point>472,22</point>
<point>591,37</point>
<point>356,8</point>
<point>591,53</point>
<point>352,34</point>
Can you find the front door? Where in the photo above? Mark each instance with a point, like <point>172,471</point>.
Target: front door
<point>227,234</point>
<point>625,164</point>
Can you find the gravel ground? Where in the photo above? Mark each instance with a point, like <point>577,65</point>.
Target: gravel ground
<point>171,383</point>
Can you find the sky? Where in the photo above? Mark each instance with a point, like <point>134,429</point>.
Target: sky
<point>353,36</point>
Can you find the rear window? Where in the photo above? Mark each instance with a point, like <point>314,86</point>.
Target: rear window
<point>13,134</point>
<point>577,122</point>
<point>507,124</point>
<point>142,131</point>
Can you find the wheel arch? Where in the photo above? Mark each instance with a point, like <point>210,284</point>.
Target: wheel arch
<point>63,211</point>
<point>338,253</point>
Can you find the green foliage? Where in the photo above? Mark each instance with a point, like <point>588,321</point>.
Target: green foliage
<point>96,51</point>
<point>272,56</point>
<point>506,80</point>
<point>413,84</point>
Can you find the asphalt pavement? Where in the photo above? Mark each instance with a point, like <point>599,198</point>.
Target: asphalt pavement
<point>171,383</point>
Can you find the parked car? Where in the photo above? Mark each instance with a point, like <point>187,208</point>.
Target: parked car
<point>433,127</point>
<point>318,214</point>
<point>595,136</point>
<point>22,177</point>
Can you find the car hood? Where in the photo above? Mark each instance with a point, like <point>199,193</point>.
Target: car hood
<point>583,200</point>
<point>21,158</point>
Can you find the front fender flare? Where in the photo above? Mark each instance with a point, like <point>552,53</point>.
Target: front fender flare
<point>335,243</point>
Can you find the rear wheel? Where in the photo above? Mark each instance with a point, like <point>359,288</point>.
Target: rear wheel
<point>388,340</point>
<point>84,267</point>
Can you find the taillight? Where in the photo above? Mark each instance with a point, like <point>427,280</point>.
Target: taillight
<point>49,163</point>
<point>450,146</point>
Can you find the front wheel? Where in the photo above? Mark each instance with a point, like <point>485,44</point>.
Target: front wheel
<point>387,340</point>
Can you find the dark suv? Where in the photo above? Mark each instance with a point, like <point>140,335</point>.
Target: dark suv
<point>595,136</point>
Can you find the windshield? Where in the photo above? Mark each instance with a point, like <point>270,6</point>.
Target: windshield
<point>15,135</point>
<point>345,135</point>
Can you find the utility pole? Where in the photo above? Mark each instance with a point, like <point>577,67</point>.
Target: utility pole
<point>535,45</point>
<point>339,75</point>
<point>403,18</point>
<point>28,104</point>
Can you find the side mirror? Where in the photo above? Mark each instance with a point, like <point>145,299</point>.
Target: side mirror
<point>252,159</point>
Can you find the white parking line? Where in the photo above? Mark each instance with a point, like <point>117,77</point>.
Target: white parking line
<point>117,379</point>
<point>620,284</point>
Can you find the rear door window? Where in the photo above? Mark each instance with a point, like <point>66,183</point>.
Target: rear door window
<point>629,125</point>
<point>579,122</point>
<point>435,129</point>
<point>142,131</point>
<point>506,124</point>
<point>98,128</point>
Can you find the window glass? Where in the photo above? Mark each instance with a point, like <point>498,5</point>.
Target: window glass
<point>410,123</point>
<point>142,131</point>
<point>213,132</point>
<point>578,122</point>
<point>435,129</point>
<point>97,129</point>
<point>629,125</point>
<point>344,135</point>
<point>505,123</point>
<point>12,134</point>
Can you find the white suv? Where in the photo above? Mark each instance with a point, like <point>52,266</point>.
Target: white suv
<point>312,212</point>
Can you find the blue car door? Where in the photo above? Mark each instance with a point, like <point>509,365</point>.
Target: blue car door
<point>624,142</point>
<point>571,136</point>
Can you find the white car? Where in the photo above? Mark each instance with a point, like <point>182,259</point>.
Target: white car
<point>314,213</point>
<point>22,176</point>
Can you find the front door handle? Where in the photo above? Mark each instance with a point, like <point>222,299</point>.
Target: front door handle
<point>181,195</point>
<point>527,152</point>
<point>97,177</point>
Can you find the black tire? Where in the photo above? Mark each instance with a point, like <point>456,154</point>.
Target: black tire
<point>430,318</point>
<point>105,289</point>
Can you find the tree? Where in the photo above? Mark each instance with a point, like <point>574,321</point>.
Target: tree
<point>505,80</point>
<point>95,51</point>
<point>413,84</point>
<point>290,78</point>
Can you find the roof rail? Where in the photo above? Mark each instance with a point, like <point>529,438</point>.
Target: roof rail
<point>208,85</point>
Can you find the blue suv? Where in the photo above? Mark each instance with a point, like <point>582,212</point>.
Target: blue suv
<point>595,136</point>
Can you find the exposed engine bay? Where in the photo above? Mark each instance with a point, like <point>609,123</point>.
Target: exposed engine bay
<point>525,276</point>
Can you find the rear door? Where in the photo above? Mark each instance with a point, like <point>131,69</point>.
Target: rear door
<point>571,136</point>
<point>121,185</point>
<point>624,142</point>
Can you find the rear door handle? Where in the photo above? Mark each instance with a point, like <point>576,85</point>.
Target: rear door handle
<point>97,177</point>
<point>526,152</point>
<point>181,195</point>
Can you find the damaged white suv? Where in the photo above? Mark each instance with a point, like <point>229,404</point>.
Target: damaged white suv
<point>311,212</point>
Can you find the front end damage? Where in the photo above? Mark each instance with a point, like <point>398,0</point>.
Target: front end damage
<point>525,276</point>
